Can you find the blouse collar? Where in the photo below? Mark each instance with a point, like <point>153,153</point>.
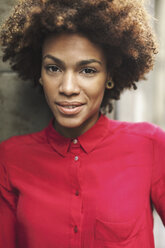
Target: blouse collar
<point>88,140</point>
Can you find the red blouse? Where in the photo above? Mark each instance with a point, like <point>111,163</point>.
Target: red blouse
<point>91,192</point>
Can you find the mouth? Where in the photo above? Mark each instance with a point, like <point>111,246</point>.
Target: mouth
<point>69,108</point>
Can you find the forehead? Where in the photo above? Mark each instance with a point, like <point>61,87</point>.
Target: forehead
<point>74,45</point>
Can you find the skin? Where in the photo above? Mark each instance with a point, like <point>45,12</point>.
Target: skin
<point>73,73</point>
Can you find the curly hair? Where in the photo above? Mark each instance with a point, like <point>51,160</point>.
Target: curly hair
<point>120,27</point>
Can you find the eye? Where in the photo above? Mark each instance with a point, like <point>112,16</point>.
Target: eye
<point>52,68</point>
<point>89,71</point>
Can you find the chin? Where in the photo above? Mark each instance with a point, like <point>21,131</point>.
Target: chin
<point>70,122</point>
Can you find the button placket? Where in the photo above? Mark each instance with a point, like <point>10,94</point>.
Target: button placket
<point>75,229</point>
<point>76,209</point>
<point>77,193</point>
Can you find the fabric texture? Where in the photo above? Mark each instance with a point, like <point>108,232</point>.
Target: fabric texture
<point>95,191</point>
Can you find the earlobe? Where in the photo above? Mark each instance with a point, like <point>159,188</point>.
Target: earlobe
<point>110,84</point>
<point>40,81</point>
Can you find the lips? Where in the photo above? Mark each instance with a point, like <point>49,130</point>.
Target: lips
<point>69,108</point>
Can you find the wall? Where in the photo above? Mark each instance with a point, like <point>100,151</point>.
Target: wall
<point>23,108</point>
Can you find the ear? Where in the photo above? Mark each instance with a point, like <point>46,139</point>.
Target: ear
<point>109,78</point>
<point>40,81</point>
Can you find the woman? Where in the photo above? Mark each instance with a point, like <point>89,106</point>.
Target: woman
<point>83,181</point>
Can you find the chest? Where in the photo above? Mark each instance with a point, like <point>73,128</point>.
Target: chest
<point>101,194</point>
<point>112,183</point>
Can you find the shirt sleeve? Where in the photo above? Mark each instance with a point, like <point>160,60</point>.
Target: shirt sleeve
<point>8,200</point>
<point>158,173</point>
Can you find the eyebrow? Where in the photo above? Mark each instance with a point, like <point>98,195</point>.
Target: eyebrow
<point>80,63</point>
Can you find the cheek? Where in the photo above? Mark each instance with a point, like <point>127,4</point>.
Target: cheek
<point>49,93</point>
<point>97,92</point>
<point>49,87</point>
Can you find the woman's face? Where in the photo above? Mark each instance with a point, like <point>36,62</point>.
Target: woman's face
<point>73,76</point>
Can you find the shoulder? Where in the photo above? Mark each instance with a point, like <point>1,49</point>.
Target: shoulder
<point>142,129</point>
<point>16,144</point>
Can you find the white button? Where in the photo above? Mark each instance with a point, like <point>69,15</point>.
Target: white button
<point>76,158</point>
<point>75,141</point>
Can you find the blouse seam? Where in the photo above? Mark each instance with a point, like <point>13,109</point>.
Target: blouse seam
<point>154,156</point>
<point>5,167</point>
<point>153,163</point>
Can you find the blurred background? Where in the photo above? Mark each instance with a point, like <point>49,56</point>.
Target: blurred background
<point>23,108</point>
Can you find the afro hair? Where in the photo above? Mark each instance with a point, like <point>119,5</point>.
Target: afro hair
<point>121,27</point>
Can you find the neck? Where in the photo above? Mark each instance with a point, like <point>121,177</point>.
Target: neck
<point>76,131</point>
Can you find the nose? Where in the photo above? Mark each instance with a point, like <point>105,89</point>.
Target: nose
<point>69,84</point>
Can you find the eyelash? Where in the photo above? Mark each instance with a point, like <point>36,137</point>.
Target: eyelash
<point>50,68</point>
<point>92,71</point>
